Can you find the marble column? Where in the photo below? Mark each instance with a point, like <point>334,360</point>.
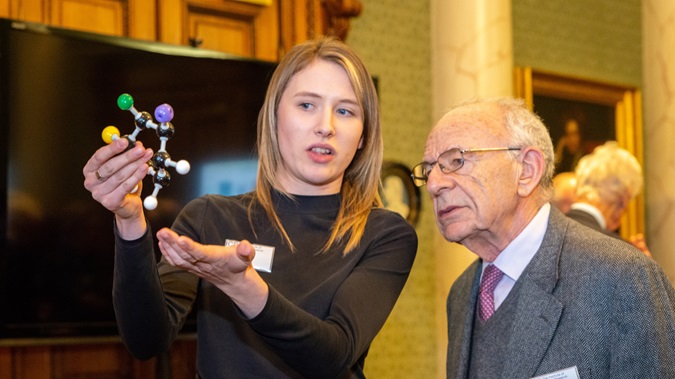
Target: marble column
<point>658,39</point>
<point>472,50</point>
<point>472,56</point>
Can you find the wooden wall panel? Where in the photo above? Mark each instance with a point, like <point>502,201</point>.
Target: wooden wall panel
<point>97,16</point>
<point>126,18</point>
<point>93,359</point>
<point>103,362</point>
<point>171,21</point>
<point>32,363</point>
<point>26,10</point>
<point>6,366</point>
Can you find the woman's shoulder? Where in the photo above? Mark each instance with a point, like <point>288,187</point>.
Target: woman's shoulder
<point>387,216</point>
<point>390,222</point>
<point>389,235</point>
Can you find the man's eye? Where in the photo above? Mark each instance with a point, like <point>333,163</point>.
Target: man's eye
<point>455,162</point>
<point>429,168</point>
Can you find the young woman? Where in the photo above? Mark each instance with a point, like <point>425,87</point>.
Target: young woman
<point>292,280</point>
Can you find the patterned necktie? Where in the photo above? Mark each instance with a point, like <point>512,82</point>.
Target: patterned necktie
<point>491,277</point>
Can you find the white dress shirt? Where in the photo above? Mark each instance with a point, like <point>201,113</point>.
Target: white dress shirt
<point>518,254</point>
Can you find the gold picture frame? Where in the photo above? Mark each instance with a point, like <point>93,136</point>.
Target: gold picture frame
<point>621,105</point>
<point>259,2</point>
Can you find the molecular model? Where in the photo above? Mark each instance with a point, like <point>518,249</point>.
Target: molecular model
<point>161,160</point>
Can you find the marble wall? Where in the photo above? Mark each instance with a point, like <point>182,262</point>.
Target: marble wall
<point>599,39</point>
<point>658,19</point>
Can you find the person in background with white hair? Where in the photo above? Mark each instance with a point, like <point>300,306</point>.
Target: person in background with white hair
<point>607,180</point>
<point>564,190</point>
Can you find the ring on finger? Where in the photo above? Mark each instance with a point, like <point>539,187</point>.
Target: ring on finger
<point>98,176</point>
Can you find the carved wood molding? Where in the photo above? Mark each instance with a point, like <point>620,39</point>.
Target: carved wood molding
<point>338,15</point>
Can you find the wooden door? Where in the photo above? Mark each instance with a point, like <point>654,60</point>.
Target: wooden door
<point>244,28</point>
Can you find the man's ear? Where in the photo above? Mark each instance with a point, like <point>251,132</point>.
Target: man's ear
<point>532,170</point>
<point>621,205</point>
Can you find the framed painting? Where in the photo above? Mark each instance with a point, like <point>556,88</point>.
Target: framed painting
<point>399,192</point>
<point>582,114</point>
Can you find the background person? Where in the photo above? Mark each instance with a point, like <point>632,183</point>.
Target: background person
<point>564,190</point>
<point>607,180</point>
<point>339,260</point>
<point>567,300</point>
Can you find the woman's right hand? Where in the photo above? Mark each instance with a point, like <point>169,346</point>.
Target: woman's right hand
<point>111,174</point>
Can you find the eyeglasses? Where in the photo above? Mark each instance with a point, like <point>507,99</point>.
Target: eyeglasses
<point>449,161</point>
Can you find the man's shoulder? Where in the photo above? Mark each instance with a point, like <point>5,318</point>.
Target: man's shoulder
<point>586,249</point>
<point>569,245</point>
<point>580,235</point>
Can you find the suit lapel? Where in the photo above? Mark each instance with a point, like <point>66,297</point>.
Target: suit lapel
<point>461,312</point>
<point>533,329</point>
<point>538,311</point>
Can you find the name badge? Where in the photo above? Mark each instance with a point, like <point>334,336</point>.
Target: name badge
<point>568,373</point>
<point>264,255</point>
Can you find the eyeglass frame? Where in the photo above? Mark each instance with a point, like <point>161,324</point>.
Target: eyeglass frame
<point>423,180</point>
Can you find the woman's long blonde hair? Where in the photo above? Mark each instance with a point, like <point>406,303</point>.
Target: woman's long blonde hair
<point>361,182</point>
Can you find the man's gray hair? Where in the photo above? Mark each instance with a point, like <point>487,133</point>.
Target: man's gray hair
<point>525,128</point>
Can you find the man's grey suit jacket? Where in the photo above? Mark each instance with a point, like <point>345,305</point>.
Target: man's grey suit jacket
<point>586,300</point>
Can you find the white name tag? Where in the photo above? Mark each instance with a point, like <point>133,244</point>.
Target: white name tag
<point>568,373</point>
<point>264,255</point>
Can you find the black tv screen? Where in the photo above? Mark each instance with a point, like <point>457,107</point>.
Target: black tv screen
<point>58,90</point>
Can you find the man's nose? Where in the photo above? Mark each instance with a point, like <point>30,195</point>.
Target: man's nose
<point>437,180</point>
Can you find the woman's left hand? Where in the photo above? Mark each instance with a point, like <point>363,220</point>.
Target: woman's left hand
<point>227,267</point>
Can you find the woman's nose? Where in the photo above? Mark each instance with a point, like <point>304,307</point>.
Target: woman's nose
<point>326,125</point>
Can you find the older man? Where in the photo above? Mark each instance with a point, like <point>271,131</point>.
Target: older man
<point>565,299</point>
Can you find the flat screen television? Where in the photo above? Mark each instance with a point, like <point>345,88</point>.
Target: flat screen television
<point>58,90</point>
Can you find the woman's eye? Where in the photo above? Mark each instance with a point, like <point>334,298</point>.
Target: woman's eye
<point>345,112</point>
<point>305,105</point>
